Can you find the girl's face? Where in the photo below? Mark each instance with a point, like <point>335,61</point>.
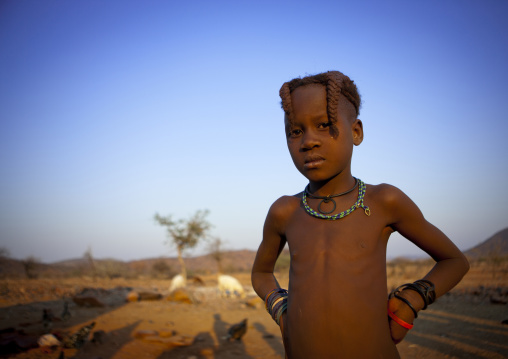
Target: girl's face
<point>320,150</point>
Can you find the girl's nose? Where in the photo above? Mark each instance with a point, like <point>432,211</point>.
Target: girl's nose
<point>309,141</point>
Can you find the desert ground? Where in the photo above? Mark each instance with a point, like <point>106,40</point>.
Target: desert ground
<point>466,323</point>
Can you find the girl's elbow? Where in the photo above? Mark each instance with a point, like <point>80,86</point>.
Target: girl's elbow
<point>255,280</point>
<point>465,264</point>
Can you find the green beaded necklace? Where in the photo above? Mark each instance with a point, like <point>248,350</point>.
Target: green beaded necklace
<point>359,203</point>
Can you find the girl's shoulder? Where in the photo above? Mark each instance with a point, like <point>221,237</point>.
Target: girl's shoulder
<point>385,194</point>
<point>286,205</point>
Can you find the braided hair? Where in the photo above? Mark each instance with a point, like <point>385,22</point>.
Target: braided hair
<point>336,84</point>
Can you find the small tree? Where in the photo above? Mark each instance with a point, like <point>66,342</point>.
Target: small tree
<point>185,234</point>
<point>30,265</point>
<point>88,257</point>
<point>161,269</point>
<point>4,253</point>
<point>216,251</point>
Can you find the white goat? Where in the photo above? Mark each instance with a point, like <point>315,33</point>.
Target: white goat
<point>230,286</point>
<point>177,282</point>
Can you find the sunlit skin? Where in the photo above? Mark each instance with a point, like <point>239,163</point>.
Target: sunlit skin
<point>337,303</point>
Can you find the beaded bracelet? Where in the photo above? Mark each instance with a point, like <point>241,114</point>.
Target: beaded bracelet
<point>399,321</point>
<point>272,297</point>
<point>276,303</point>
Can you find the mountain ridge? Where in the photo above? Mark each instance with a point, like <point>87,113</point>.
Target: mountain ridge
<point>232,261</point>
<point>494,246</point>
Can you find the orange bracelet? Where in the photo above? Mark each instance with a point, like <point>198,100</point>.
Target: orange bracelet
<point>399,321</point>
<point>266,298</point>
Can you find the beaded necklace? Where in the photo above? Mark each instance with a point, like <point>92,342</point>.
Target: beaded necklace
<point>329,198</point>
<point>359,203</point>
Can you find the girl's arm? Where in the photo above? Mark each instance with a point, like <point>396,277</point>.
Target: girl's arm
<point>451,264</point>
<point>263,279</point>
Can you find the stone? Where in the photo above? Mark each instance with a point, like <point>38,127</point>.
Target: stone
<point>132,296</point>
<point>180,340</point>
<point>48,340</point>
<point>255,303</point>
<point>180,295</point>
<point>98,337</point>
<point>150,296</point>
<point>145,333</point>
<point>87,301</point>
<point>166,333</point>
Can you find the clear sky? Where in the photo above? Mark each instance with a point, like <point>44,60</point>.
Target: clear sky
<point>113,110</point>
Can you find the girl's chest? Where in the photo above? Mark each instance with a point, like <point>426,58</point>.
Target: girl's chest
<point>354,235</point>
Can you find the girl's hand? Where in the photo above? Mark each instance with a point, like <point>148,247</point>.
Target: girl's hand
<point>401,310</point>
<point>282,325</point>
<point>283,322</point>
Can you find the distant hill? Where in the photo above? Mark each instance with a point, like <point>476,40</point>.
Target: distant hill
<point>233,261</point>
<point>15,268</point>
<point>497,245</point>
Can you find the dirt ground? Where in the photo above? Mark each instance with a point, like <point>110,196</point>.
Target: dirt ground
<point>467,323</point>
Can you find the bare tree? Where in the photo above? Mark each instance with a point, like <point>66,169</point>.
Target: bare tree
<point>495,259</point>
<point>90,261</point>
<point>161,269</point>
<point>31,264</point>
<point>185,234</point>
<point>4,253</point>
<point>216,251</point>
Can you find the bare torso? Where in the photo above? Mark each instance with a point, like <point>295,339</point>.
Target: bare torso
<point>337,301</point>
<point>337,286</point>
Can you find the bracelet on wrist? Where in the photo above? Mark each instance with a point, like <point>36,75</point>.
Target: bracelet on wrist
<point>399,321</point>
<point>396,295</point>
<point>276,303</point>
<point>423,287</point>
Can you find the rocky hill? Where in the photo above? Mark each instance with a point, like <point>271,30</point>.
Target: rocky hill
<point>164,267</point>
<point>232,261</point>
<point>497,246</point>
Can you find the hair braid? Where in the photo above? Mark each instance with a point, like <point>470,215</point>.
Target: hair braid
<point>336,83</point>
<point>285,95</point>
<point>333,90</point>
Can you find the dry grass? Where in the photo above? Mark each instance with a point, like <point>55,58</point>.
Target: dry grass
<point>21,291</point>
<point>464,325</point>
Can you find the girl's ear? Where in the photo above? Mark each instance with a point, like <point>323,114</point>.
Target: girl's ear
<point>357,129</point>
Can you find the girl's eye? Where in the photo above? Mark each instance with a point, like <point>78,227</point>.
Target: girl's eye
<point>295,133</point>
<point>324,125</point>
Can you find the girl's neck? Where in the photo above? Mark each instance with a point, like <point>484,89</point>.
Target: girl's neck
<point>338,184</point>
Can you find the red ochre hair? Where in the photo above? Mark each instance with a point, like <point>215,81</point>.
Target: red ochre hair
<point>336,84</point>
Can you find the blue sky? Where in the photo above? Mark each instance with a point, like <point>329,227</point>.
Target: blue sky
<point>112,111</point>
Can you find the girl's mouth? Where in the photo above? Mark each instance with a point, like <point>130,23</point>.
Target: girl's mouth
<point>313,162</point>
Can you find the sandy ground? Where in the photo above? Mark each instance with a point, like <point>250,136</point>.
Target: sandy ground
<point>456,326</point>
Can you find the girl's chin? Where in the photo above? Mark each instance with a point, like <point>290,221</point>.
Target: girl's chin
<point>316,177</point>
